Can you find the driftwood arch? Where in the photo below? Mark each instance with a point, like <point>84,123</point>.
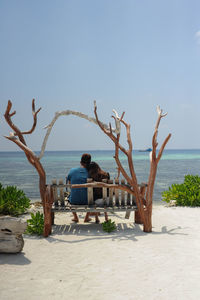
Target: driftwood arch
<point>144,201</point>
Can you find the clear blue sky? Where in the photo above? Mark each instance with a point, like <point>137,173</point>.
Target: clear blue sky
<point>129,55</point>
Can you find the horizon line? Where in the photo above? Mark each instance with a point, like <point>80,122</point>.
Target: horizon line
<point>86,150</point>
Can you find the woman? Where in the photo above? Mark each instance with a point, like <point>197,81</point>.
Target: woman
<point>78,176</point>
<point>97,174</point>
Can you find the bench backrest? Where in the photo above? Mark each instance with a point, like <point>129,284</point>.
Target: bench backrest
<point>111,196</point>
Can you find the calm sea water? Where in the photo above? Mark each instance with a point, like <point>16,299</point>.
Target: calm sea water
<point>174,164</point>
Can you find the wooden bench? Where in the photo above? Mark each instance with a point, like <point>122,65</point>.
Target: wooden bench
<point>114,198</point>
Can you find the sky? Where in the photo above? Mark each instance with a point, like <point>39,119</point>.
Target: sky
<point>128,55</point>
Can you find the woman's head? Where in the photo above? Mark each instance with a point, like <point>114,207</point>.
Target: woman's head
<point>96,173</point>
<point>94,168</point>
<point>85,160</point>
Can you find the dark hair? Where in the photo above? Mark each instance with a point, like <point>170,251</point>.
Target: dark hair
<point>96,173</point>
<point>85,160</point>
<point>94,170</point>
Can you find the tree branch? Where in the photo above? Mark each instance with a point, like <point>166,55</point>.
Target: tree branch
<point>160,116</point>
<point>66,113</point>
<point>116,157</point>
<point>162,147</point>
<point>107,132</point>
<point>34,113</point>
<point>8,116</point>
<point>23,147</point>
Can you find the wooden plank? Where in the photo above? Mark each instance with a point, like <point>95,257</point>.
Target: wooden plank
<point>95,209</point>
<point>127,215</point>
<point>104,193</point>
<point>55,192</point>
<point>116,193</point>
<point>98,185</point>
<point>90,193</point>
<point>110,194</point>
<point>133,200</point>
<point>128,199</point>
<point>122,193</point>
<point>62,197</point>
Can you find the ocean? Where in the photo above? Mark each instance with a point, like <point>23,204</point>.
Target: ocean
<point>173,166</point>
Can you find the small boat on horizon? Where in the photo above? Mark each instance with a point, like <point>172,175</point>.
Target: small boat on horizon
<point>146,150</point>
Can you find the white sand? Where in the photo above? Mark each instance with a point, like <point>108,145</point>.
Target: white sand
<point>80,261</point>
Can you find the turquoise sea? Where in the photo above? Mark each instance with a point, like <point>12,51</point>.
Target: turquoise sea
<point>174,164</point>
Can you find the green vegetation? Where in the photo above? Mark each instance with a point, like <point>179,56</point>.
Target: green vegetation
<point>185,194</point>
<point>109,226</point>
<point>13,201</point>
<point>35,224</point>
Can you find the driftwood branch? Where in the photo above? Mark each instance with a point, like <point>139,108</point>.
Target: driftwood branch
<point>16,130</point>
<point>162,147</point>
<point>107,132</point>
<point>155,160</point>
<point>34,113</point>
<point>132,180</point>
<point>117,122</point>
<point>67,113</point>
<point>145,213</point>
<point>120,167</point>
<point>17,136</point>
<point>106,185</point>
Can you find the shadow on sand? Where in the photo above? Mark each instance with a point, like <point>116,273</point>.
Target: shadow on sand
<point>14,259</point>
<point>94,231</point>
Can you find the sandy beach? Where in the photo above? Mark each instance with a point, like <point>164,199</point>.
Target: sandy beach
<point>81,261</point>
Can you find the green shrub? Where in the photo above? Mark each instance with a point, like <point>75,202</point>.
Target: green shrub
<point>109,226</point>
<point>186,193</point>
<point>35,224</point>
<point>13,201</point>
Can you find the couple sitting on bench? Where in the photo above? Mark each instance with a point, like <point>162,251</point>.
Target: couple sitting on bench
<point>79,175</point>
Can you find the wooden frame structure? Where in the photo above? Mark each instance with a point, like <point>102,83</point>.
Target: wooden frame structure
<point>144,215</point>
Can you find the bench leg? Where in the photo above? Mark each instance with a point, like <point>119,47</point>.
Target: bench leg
<point>75,218</point>
<point>138,219</point>
<point>106,216</point>
<point>127,215</point>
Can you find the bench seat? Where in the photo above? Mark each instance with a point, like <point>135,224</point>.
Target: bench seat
<point>86,208</point>
<point>113,200</point>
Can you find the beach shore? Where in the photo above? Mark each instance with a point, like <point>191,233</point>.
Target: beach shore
<point>81,261</point>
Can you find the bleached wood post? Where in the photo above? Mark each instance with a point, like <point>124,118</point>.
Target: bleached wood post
<point>90,192</point>
<point>117,193</point>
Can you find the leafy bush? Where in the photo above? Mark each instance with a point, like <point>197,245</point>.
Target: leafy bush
<point>35,224</point>
<point>185,194</point>
<point>109,226</point>
<point>13,201</point>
